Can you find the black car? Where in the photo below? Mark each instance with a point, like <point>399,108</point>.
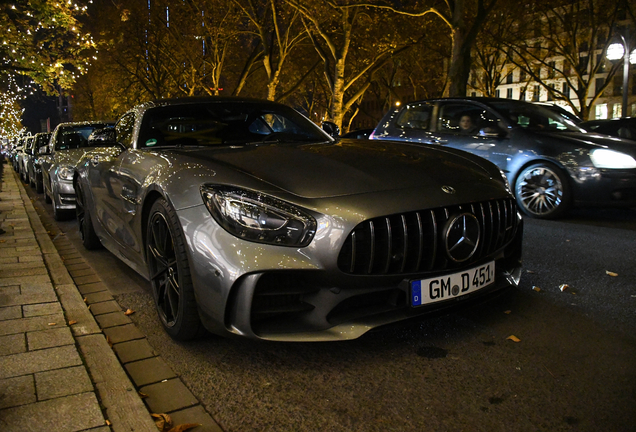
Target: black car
<point>551,162</point>
<point>623,127</point>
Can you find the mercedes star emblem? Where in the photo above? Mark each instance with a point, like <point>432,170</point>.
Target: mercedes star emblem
<point>462,237</point>
<point>448,189</point>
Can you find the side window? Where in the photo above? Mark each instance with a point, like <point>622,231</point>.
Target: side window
<point>124,128</point>
<point>464,119</point>
<point>416,116</point>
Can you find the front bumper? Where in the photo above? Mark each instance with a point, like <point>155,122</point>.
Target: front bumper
<point>604,187</point>
<point>286,294</point>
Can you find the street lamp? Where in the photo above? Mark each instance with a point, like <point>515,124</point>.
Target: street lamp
<point>617,51</point>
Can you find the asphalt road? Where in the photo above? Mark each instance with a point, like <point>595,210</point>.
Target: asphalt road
<point>573,369</point>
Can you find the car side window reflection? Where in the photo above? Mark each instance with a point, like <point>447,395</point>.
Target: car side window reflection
<point>465,119</point>
<point>416,116</point>
<point>124,128</point>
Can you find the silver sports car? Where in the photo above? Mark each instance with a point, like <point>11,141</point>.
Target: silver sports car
<point>249,220</point>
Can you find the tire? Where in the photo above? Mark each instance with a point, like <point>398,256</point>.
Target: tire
<point>85,222</point>
<point>542,191</point>
<point>170,273</point>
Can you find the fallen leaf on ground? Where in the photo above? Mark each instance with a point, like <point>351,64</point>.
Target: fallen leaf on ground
<point>142,395</point>
<point>162,421</point>
<point>129,312</point>
<point>513,338</point>
<point>508,312</point>
<point>607,272</point>
<point>529,271</point>
<point>563,287</point>
<point>89,307</point>
<point>536,288</point>
<point>84,299</point>
<point>52,324</point>
<point>110,344</point>
<point>184,427</point>
<point>71,322</point>
<point>108,423</point>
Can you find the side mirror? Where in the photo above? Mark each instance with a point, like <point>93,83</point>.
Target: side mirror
<point>106,137</point>
<point>331,128</point>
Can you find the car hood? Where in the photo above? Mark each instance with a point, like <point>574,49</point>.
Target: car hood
<point>351,166</point>
<point>591,140</point>
<point>71,156</point>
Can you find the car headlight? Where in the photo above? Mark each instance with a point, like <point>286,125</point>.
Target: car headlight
<point>65,173</point>
<point>605,158</point>
<point>258,217</point>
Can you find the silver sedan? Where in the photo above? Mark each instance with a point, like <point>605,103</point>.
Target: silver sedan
<point>249,220</point>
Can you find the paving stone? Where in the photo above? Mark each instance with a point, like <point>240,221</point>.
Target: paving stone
<point>53,337</point>
<point>12,344</point>
<point>11,312</point>
<point>148,371</point>
<point>91,287</point>
<point>134,350</point>
<point>39,361</point>
<point>8,260</point>
<point>81,272</point>
<point>62,382</point>
<point>196,415</point>
<point>16,391</point>
<point>23,299</point>
<point>42,309</point>
<point>112,319</point>
<point>105,307</point>
<point>72,413</point>
<point>31,324</point>
<point>83,280</point>
<point>31,258</point>
<point>79,266</point>
<point>123,333</point>
<point>168,396</point>
<point>24,271</point>
<point>98,297</point>
<point>36,285</point>
<point>74,260</point>
<point>10,290</point>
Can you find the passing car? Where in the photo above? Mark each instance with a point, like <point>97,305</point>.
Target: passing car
<point>68,142</point>
<point>622,128</point>
<point>34,170</point>
<point>552,163</point>
<point>250,220</point>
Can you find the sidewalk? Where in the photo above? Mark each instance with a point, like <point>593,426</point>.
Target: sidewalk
<point>57,371</point>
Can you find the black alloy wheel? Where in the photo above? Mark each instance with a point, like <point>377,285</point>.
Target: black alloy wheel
<point>90,240</point>
<point>170,273</point>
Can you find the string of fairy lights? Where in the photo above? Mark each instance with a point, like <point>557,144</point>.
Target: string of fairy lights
<point>43,42</point>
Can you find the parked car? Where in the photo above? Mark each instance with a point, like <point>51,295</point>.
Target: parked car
<point>34,170</point>
<point>358,134</point>
<point>25,156</point>
<point>551,163</point>
<point>17,154</point>
<point>68,142</point>
<point>249,219</point>
<point>622,128</point>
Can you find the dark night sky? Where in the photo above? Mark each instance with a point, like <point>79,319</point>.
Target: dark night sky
<point>39,107</point>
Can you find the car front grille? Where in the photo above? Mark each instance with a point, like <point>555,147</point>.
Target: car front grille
<point>415,242</point>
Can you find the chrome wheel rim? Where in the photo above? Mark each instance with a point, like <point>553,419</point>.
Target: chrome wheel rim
<point>540,190</point>
<point>164,273</point>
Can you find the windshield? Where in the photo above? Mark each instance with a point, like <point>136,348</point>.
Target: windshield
<point>535,117</point>
<point>222,123</point>
<point>74,137</point>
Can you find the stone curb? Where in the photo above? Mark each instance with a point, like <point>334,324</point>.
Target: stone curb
<point>124,407</point>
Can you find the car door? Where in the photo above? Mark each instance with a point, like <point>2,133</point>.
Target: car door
<point>473,128</point>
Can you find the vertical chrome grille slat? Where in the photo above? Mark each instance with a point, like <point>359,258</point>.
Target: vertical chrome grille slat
<point>352,266</point>
<point>374,247</point>
<point>389,245</point>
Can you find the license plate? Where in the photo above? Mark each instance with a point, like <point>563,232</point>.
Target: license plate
<point>427,291</point>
